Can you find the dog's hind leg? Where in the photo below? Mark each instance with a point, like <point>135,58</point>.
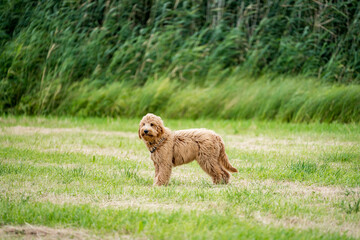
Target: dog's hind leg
<point>212,167</point>
<point>223,158</point>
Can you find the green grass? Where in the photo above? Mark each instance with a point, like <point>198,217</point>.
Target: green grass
<point>93,174</point>
<point>157,225</point>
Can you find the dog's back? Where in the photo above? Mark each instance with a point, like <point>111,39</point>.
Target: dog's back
<point>188,144</point>
<point>197,144</point>
<point>196,134</point>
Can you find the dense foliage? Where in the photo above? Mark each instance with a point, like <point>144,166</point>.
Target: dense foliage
<point>49,48</point>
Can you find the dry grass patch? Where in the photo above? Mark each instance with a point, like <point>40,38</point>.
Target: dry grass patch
<point>21,130</point>
<point>326,226</point>
<point>87,150</point>
<point>295,188</point>
<point>262,143</point>
<point>41,232</point>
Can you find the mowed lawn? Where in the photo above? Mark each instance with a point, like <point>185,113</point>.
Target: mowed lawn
<point>87,178</point>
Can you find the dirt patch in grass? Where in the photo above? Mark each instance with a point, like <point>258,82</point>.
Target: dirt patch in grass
<point>41,232</point>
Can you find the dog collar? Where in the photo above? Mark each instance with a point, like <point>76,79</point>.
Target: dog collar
<point>157,145</point>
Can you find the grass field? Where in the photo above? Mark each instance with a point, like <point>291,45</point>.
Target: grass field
<point>92,178</point>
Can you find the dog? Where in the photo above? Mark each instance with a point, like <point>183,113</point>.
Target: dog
<point>169,149</point>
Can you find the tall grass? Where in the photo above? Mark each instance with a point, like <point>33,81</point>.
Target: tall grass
<point>50,49</point>
<point>285,98</point>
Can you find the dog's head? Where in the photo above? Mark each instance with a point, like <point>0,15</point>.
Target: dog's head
<point>151,127</point>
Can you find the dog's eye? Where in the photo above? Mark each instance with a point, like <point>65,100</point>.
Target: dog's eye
<point>151,124</point>
<point>143,124</point>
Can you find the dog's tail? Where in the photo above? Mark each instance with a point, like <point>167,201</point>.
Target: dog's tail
<point>223,158</point>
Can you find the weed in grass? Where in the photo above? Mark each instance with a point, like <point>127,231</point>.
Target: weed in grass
<point>303,167</point>
<point>24,198</point>
<point>238,196</point>
<point>78,172</point>
<point>200,195</point>
<point>351,203</point>
<point>132,174</point>
<point>69,175</point>
<point>338,156</point>
<point>11,169</point>
<point>353,207</point>
<point>206,183</point>
<point>234,195</point>
<point>163,192</point>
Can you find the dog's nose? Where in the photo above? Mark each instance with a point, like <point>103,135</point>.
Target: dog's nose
<point>146,131</point>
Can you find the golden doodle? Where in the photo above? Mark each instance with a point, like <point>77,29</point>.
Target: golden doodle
<point>173,148</point>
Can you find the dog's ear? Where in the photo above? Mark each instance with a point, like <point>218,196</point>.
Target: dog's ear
<point>160,127</point>
<point>139,132</point>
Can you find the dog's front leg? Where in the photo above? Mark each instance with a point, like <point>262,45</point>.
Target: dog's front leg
<point>164,174</point>
<point>156,169</point>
